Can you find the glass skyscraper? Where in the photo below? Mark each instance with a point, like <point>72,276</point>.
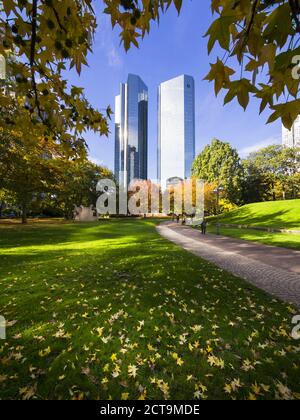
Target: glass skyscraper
<point>291,138</point>
<point>131,131</point>
<point>176,129</point>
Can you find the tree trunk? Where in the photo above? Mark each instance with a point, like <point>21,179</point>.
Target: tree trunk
<point>294,190</point>
<point>24,213</point>
<point>273,191</point>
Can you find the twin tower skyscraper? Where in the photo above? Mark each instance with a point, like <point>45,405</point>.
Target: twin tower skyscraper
<point>176,130</point>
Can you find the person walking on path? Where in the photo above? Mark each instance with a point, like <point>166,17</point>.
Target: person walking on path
<point>203,227</point>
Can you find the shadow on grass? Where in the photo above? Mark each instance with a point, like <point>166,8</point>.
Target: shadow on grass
<point>143,292</point>
<point>22,236</point>
<point>280,214</point>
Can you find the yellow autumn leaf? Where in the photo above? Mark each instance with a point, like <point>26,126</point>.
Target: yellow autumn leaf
<point>179,361</point>
<point>100,331</point>
<point>45,352</point>
<point>256,388</point>
<point>113,357</point>
<point>125,396</point>
<point>227,388</point>
<point>132,371</point>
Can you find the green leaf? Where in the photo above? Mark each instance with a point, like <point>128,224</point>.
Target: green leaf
<point>241,90</point>
<point>288,112</point>
<point>178,5</point>
<point>220,74</point>
<point>219,31</point>
<point>8,6</point>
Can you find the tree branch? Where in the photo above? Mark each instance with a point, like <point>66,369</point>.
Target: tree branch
<point>253,11</point>
<point>58,19</point>
<point>32,56</point>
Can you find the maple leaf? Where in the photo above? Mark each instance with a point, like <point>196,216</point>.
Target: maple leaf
<point>132,371</point>
<point>45,352</point>
<point>179,361</point>
<point>256,388</point>
<point>266,388</point>
<point>100,331</point>
<point>197,394</point>
<point>113,357</point>
<point>227,388</point>
<point>220,74</point>
<point>124,396</point>
<point>28,392</point>
<point>284,391</point>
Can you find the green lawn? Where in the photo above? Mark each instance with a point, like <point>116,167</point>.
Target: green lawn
<point>276,239</point>
<point>112,310</point>
<point>275,214</point>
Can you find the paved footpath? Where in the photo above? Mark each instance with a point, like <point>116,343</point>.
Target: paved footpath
<point>275,270</point>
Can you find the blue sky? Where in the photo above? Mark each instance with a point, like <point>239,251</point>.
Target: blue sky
<point>177,46</point>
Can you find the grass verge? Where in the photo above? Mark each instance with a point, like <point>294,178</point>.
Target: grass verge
<point>284,240</point>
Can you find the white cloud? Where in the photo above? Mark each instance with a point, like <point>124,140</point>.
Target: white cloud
<point>114,59</point>
<point>245,151</point>
<point>106,42</point>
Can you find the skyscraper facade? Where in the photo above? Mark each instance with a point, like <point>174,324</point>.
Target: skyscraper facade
<point>131,131</point>
<point>176,129</point>
<point>291,138</point>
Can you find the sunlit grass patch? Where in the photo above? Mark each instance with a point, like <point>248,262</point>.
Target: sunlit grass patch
<point>112,310</point>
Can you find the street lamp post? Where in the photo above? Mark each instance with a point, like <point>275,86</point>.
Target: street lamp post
<point>218,211</point>
<point>217,192</point>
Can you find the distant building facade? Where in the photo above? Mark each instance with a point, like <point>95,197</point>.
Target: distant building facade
<point>131,131</point>
<point>291,138</point>
<point>176,129</point>
<point>2,67</point>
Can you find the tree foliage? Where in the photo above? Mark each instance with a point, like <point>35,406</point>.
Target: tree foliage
<point>41,40</point>
<point>48,38</point>
<point>25,166</point>
<point>219,163</point>
<point>76,185</point>
<point>260,38</point>
<point>271,173</point>
<point>39,173</point>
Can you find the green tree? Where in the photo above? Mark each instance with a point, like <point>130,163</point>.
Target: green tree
<point>39,175</point>
<point>3,200</point>
<point>40,40</point>
<point>289,171</point>
<point>293,185</point>
<point>266,162</point>
<point>25,168</point>
<point>271,173</point>
<point>76,184</point>
<point>220,163</point>
<point>255,185</point>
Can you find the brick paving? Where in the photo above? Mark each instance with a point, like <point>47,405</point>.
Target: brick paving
<point>275,270</point>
